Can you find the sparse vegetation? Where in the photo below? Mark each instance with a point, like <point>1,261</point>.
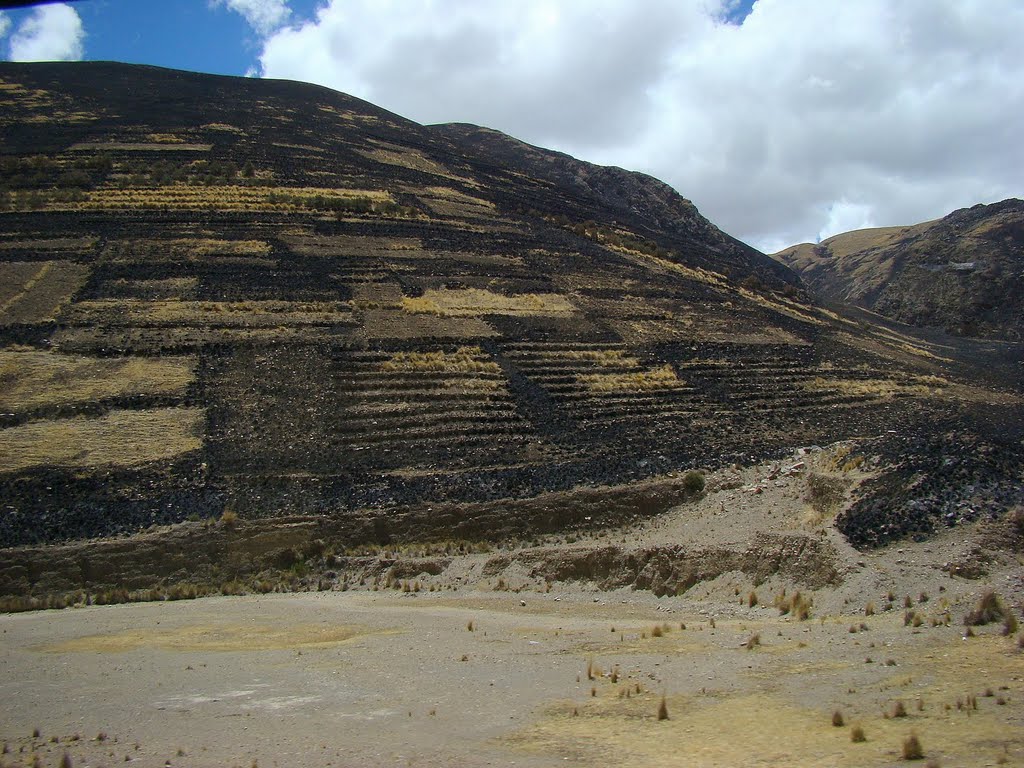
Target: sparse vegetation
<point>857,735</point>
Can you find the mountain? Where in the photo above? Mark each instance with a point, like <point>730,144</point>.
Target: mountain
<point>963,273</point>
<point>282,308</point>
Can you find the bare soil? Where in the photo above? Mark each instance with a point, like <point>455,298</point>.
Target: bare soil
<point>554,671</point>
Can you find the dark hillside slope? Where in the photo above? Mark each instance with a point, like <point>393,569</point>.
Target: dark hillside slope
<point>646,202</point>
<point>262,298</point>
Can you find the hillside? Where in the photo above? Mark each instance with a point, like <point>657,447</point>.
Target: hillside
<point>266,302</point>
<point>963,273</point>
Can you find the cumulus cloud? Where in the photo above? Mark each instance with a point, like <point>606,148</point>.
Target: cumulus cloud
<point>50,33</point>
<point>782,125</point>
<point>264,16</point>
<point>5,23</point>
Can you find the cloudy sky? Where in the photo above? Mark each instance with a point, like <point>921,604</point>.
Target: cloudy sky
<point>783,120</point>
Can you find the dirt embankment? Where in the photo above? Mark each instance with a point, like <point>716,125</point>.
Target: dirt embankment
<point>213,554</point>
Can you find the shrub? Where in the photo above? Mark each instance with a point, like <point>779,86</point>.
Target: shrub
<point>753,641</point>
<point>837,719</point>
<point>693,481</point>
<point>857,735</point>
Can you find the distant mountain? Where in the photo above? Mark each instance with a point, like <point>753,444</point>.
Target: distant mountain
<point>963,273</point>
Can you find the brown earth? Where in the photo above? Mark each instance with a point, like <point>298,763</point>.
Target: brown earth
<point>378,675</point>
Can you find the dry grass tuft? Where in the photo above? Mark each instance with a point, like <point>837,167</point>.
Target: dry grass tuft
<point>912,749</point>
<point>857,735</point>
<point>796,605</point>
<point>753,641</point>
<point>990,608</point>
<point>663,709</point>
<point>837,719</point>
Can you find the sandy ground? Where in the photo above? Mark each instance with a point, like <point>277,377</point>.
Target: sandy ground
<point>390,678</point>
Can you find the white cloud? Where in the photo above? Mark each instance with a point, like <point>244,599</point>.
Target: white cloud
<point>264,16</point>
<point>50,33</point>
<point>5,23</point>
<point>810,115</point>
<point>844,216</point>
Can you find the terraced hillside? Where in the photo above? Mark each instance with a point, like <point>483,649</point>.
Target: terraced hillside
<point>963,273</point>
<point>232,297</point>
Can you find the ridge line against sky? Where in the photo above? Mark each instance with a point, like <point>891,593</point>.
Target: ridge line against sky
<point>783,120</point>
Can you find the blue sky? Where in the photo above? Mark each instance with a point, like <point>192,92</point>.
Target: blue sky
<point>181,34</point>
<point>784,121</point>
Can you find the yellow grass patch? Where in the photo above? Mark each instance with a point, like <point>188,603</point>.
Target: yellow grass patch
<point>121,438</point>
<point>611,358</point>
<point>692,273</point>
<point>462,360</point>
<point>223,313</point>
<point>351,245</point>
<point>473,302</point>
<point>446,201</point>
<point>638,381</point>
<point>224,197</point>
<point>758,729</point>
<point>34,292</point>
<point>210,246</point>
<point>165,138</point>
<point>303,147</point>
<point>785,306</point>
<point>223,127</point>
<point>223,637</point>
<point>884,388</point>
<point>30,378</point>
<point>138,146</point>
<point>391,154</point>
